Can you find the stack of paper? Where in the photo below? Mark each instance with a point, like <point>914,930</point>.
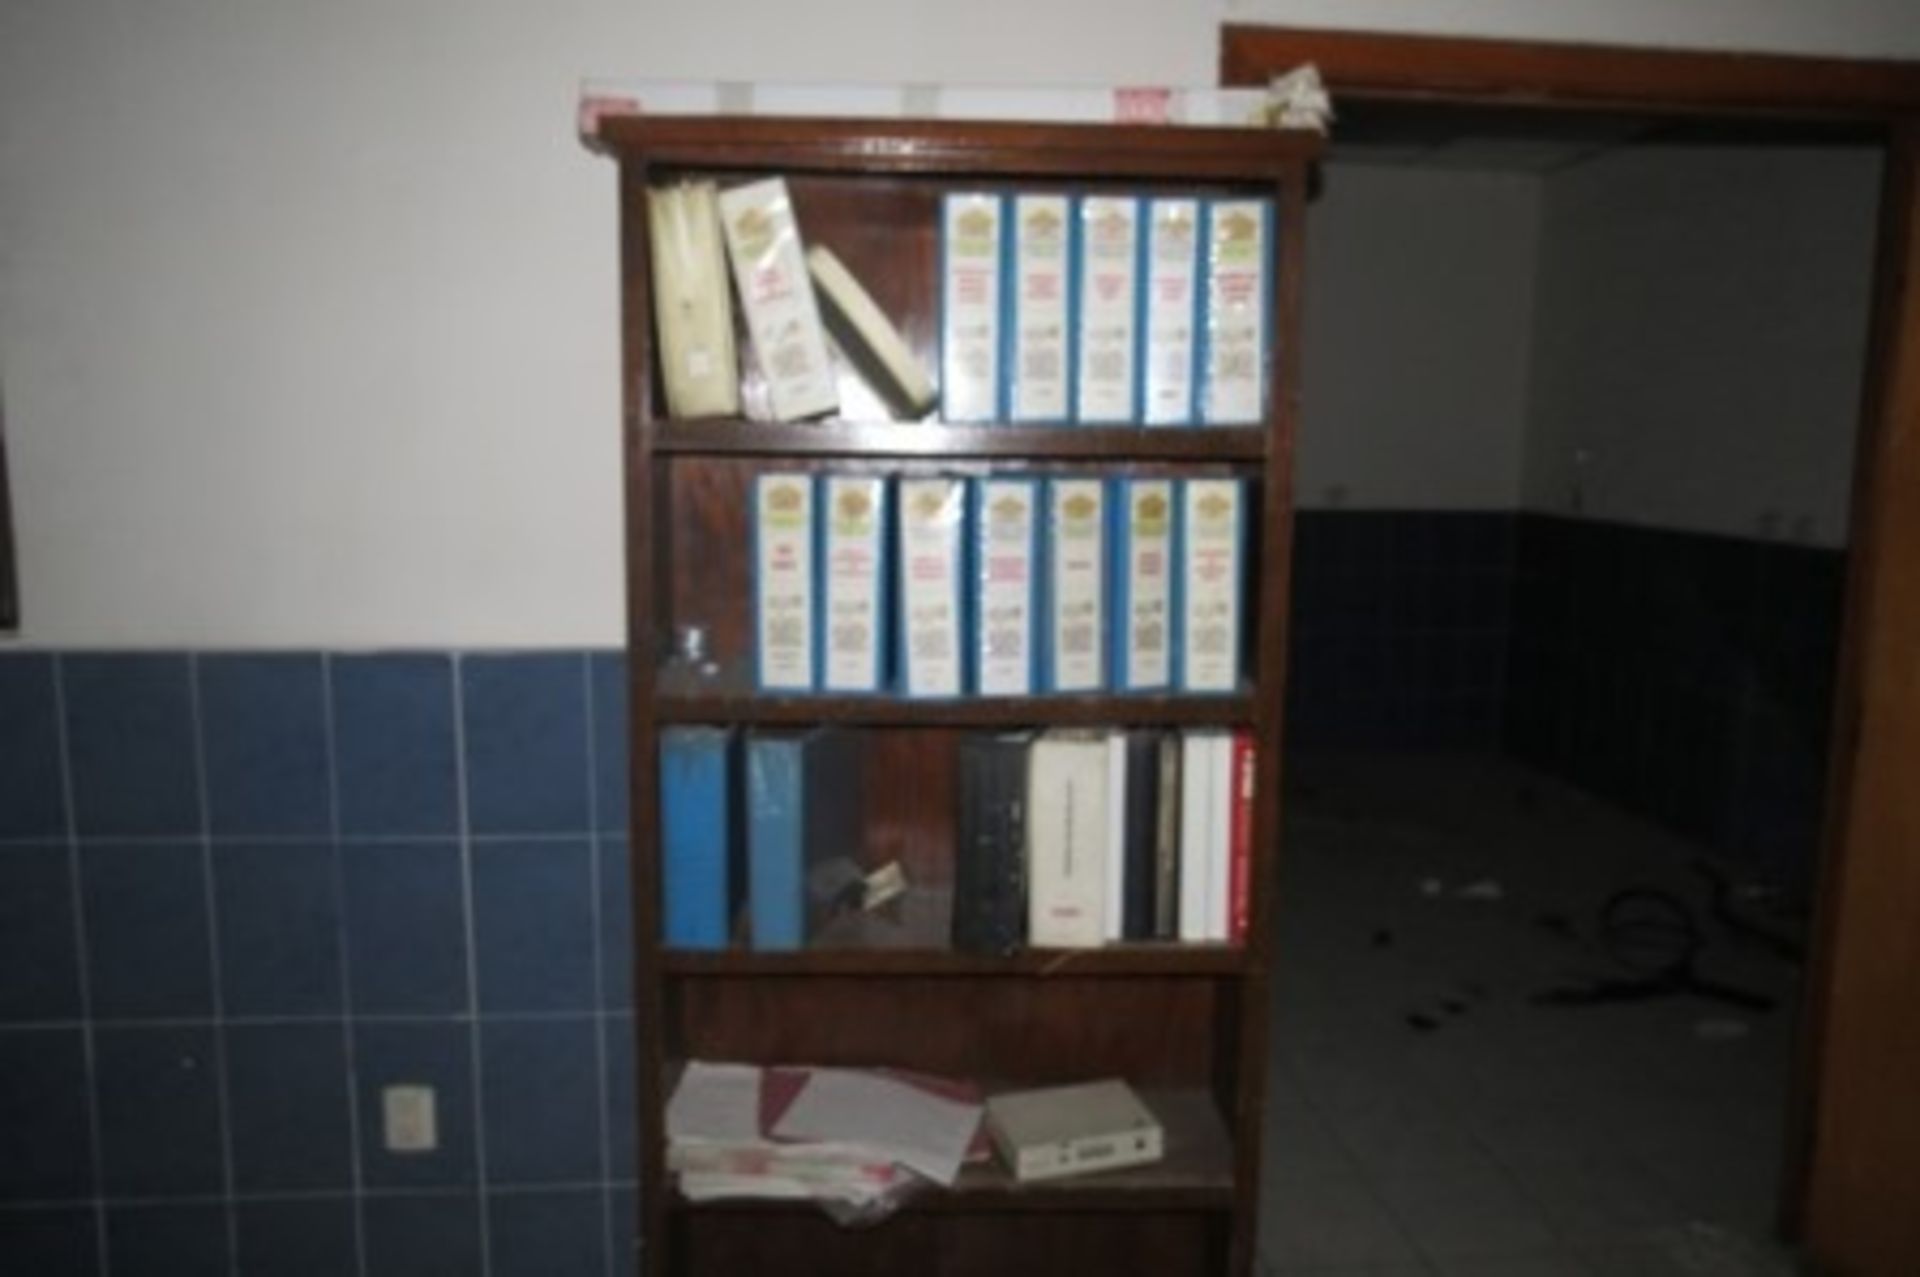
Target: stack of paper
<point>850,1135</point>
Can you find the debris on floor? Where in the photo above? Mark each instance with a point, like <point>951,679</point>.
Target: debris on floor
<point>1709,1251</point>
<point>1721,1030</point>
<point>1657,939</point>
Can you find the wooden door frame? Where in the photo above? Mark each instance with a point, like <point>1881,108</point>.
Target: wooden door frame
<point>1834,1198</point>
<point>9,570</point>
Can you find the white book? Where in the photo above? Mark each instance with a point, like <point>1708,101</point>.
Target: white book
<point>1220,786</point>
<point>1040,354</point>
<point>1076,552</point>
<point>1196,834</point>
<point>1006,573</point>
<point>783,580</point>
<point>1116,872</point>
<point>931,516</point>
<point>1143,584</point>
<point>852,582</point>
<point>971,244</point>
<point>1212,576</point>
<point>1173,310</point>
<point>1106,381</point>
<point>693,309</point>
<point>869,339</point>
<point>1073,1130</point>
<point>1236,338</point>
<point>783,319</point>
<point>1067,840</point>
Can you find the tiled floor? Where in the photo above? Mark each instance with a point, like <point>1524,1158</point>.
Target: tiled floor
<point>1508,1140</point>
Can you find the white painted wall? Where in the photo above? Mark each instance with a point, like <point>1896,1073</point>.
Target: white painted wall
<point>307,311</point>
<point>1701,336</point>
<point>1418,323</point>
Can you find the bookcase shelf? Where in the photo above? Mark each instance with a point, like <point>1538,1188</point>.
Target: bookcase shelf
<point>936,440</point>
<point>1184,1024</point>
<point>1195,1175</point>
<point>1204,960</point>
<point>681,696</point>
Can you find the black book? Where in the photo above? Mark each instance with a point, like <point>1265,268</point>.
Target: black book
<point>1166,842</point>
<point>1141,840</point>
<point>989,878</point>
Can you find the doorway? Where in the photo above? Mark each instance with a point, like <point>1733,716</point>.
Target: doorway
<point>1861,1166</point>
<point>1574,474</point>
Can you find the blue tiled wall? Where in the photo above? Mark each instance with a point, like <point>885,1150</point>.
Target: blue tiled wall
<point>1686,677</point>
<point>242,894</point>
<point>1400,623</point>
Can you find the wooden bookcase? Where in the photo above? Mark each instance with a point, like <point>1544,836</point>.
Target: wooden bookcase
<point>1186,1024</point>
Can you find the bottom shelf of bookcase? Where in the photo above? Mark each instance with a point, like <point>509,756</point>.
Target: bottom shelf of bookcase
<point>1195,1175</point>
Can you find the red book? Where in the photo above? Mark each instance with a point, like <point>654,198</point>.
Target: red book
<point>1240,841</point>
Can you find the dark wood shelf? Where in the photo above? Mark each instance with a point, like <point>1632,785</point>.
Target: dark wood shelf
<point>934,439</point>
<point>1195,1174</point>
<point>1115,960</point>
<point>682,696</point>
<point>792,144</point>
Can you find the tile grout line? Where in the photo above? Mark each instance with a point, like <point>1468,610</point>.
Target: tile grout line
<point>349,1036</point>
<point>89,1055</point>
<point>223,1080</point>
<point>296,840</point>
<point>28,1206</point>
<point>271,1021</point>
<point>464,824</point>
<point>594,887</point>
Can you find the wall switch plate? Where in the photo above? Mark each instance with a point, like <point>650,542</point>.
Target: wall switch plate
<point>411,1122</point>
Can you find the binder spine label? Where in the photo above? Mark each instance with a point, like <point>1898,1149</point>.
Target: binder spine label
<point>1172,297</point>
<point>852,567</point>
<point>783,318</point>
<point>1239,250</point>
<point>783,582</point>
<point>1076,593</point>
<point>1107,376</point>
<point>971,242</point>
<point>1143,567</point>
<point>1039,358</point>
<point>931,516</point>
<point>1006,573</point>
<point>1211,572</point>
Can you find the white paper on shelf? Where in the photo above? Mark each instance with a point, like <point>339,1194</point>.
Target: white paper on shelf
<point>715,1103</point>
<point>919,1130</point>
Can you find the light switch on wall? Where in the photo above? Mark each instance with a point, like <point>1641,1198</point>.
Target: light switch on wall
<point>410,1119</point>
